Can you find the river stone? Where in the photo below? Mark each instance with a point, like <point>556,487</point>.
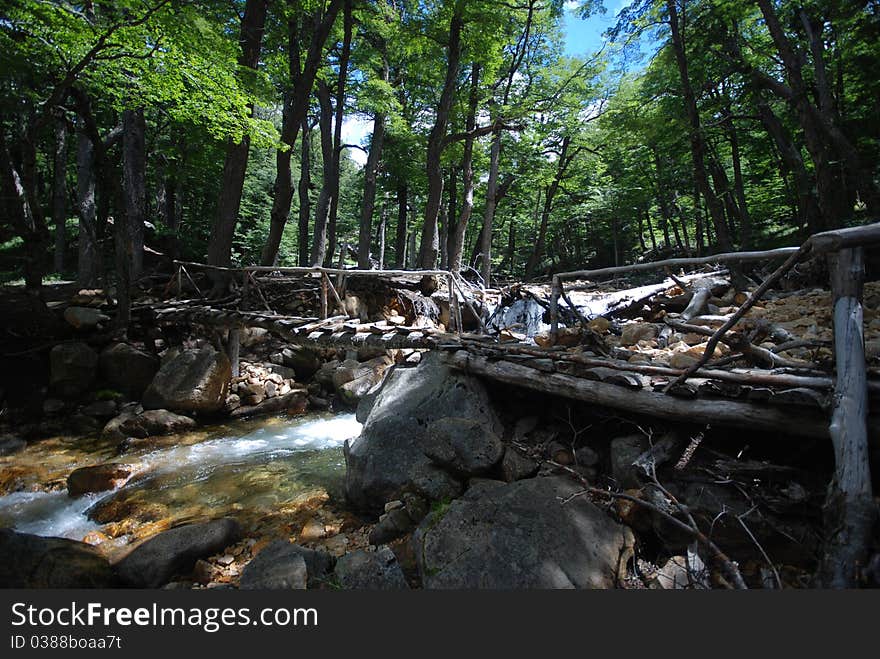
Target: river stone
<point>516,466</point>
<point>464,445</point>
<point>353,380</point>
<point>84,318</point>
<point>98,478</point>
<point>526,534</point>
<point>154,562</point>
<point>155,422</point>
<point>102,409</point>
<point>127,369</point>
<point>31,561</point>
<point>72,368</point>
<point>370,570</point>
<point>10,444</point>
<point>389,455</point>
<point>192,381</point>
<point>624,452</point>
<point>282,565</point>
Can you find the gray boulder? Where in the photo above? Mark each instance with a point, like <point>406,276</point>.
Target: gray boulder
<point>155,422</point>
<point>464,445</point>
<point>370,570</point>
<point>282,566</point>
<point>127,369</point>
<point>154,562</point>
<point>72,369</point>
<point>191,381</point>
<point>10,444</point>
<point>527,534</point>
<point>624,451</point>
<point>31,561</point>
<point>353,380</point>
<point>84,318</point>
<point>389,456</point>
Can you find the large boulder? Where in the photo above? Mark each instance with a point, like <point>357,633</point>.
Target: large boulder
<point>370,570</point>
<point>528,534</point>
<point>353,380</point>
<point>72,369</point>
<point>389,456</point>
<point>155,422</point>
<point>127,369</point>
<point>283,566</point>
<point>464,445</point>
<point>98,478</point>
<point>31,561</point>
<point>191,381</point>
<point>154,562</point>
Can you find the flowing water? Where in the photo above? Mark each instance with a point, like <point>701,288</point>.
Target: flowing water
<point>252,469</point>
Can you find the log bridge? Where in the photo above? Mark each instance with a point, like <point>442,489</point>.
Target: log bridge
<point>806,404</point>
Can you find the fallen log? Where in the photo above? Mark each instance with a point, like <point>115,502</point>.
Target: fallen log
<point>738,414</point>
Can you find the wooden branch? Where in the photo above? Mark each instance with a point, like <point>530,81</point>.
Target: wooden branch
<point>850,510</point>
<point>738,414</point>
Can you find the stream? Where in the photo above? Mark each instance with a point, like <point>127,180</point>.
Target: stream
<point>252,469</point>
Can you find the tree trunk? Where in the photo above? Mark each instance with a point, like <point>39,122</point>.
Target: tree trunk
<point>745,227</point>
<point>234,168</point>
<point>467,166</point>
<point>59,192</point>
<point>88,262</point>
<point>400,237</point>
<point>322,207</point>
<point>305,184</point>
<point>430,242</point>
<point>134,162</point>
<point>491,204</point>
<point>563,161</point>
<point>341,81</point>
<point>698,144</point>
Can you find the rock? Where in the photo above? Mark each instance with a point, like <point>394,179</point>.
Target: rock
<point>103,409</point>
<point>98,478</point>
<point>302,360</point>
<point>82,423</point>
<point>31,561</point>
<point>363,570</point>
<point>53,406</point>
<point>521,535</point>
<point>10,444</point>
<point>586,457</point>
<point>155,422</point>
<point>635,332</point>
<point>127,369</point>
<point>393,505</point>
<point>83,318</point>
<point>192,381</point>
<point>625,451</point>
<point>353,380</point>
<point>679,573</point>
<point>683,360</point>
<point>154,562</point>
<point>599,324</point>
<point>393,525</point>
<point>72,369</point>
<point>324,375</point>
<point>416,507</point>
<point>463,445</point>
<point>295,402</point>
<point>113,428</point>
<point>285,372</point>
<point>282,565</point>
<point>312,530</point>
<point>389,456</point>
<point>516,466</point>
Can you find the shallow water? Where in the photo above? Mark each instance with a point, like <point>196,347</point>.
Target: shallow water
<point>253,469</point>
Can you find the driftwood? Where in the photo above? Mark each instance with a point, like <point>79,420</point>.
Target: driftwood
<point>850,509</point>
<point>738,414</point>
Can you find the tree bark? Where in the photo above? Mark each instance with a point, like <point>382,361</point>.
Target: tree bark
<point>305,184</point>
<point>59,191</point>
<point>430,242</point>
<point>562,163</point>
<point>88,263</point>
<point>400,236</point>
<point>698,143</point>
<point>232,179</point>
<point>134,161</point>
<point>322,207</point>
<point>467,165</point>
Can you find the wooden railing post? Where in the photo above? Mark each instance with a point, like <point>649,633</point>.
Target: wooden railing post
<point>850,511</point>
<point>324,283</point>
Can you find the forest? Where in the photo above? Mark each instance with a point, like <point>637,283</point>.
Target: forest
<point>213,131</point>
<point>441,294</point>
